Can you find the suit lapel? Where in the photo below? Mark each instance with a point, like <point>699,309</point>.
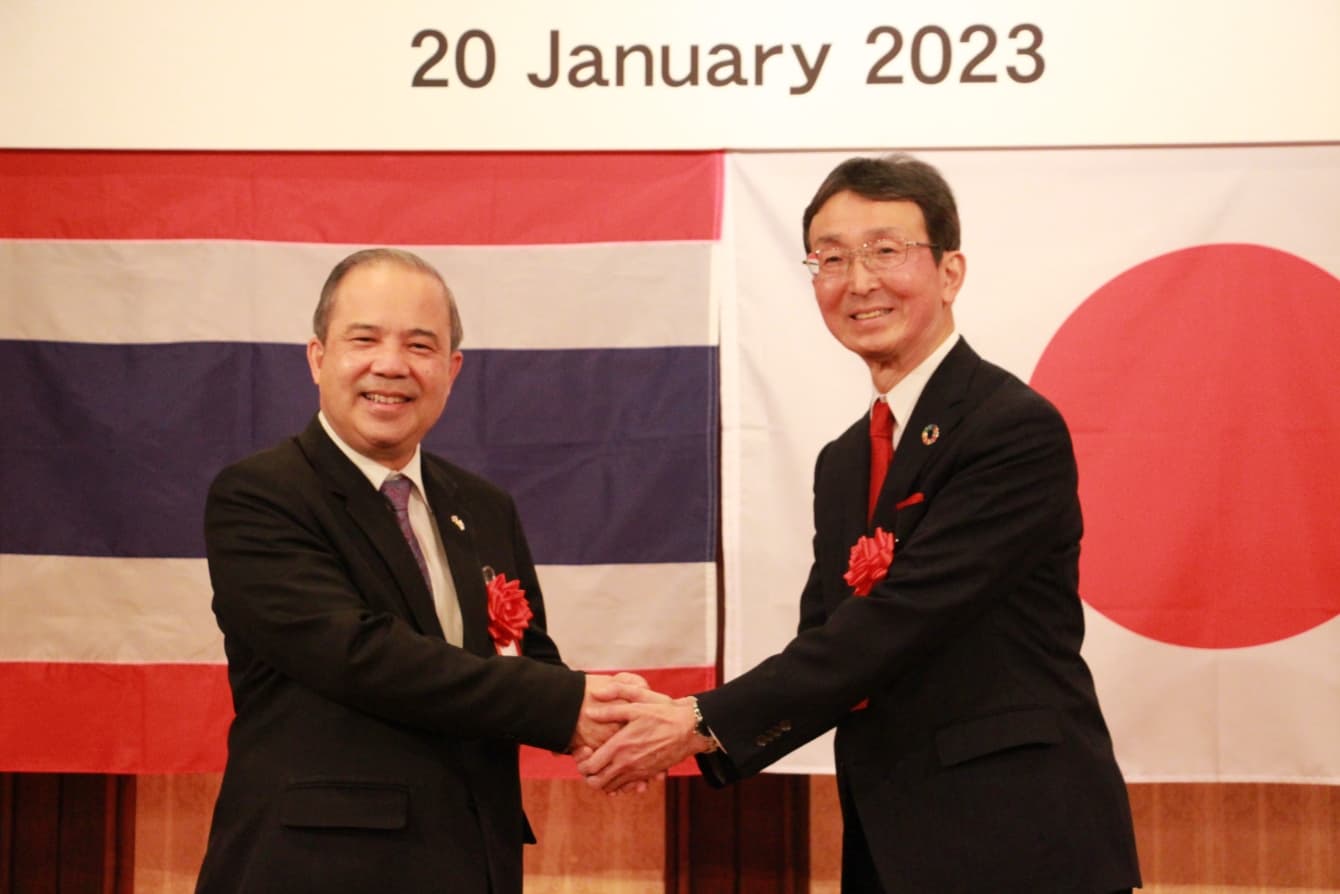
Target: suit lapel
<point>849,490</point>
<point>372,514</point>
<point>936,415</point>
<point>456,526</point>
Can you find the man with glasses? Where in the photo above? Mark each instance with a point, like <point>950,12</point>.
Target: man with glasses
<point>940,627</point>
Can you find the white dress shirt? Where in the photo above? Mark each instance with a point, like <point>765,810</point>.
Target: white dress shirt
<point>425,530</point>
<point>902,398</point>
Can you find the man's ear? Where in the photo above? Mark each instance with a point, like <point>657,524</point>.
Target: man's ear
<point>953,268</point>
<point>316,352</point>
<point>454,365</point>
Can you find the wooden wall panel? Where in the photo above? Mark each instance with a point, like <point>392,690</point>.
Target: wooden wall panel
<point>69,834</point>
<point>35,849</point>
<point>6,832</point>
<point>63,833</point>
<point>1278,836</point>
<point>88,833</point>
<point>750,838</point>
<point>593,843</point>
<point>825,835</point>
<point>171,826</point>
<point>1193,839</point>
<point>589,842</point>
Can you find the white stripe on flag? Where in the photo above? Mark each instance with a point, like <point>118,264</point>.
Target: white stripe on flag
<point>607,295</point>
<point>118,610</point>
<point>158,611</point>
<point>616,616</point>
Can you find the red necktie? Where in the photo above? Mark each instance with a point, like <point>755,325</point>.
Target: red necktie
<point>881,451</point>
<point>881,454</point>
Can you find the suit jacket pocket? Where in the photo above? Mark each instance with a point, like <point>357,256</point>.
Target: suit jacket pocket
<point>981,736</point>
<point>345,804</point>
<point>907,520</point>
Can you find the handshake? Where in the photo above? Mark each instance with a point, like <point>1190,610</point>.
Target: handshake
<point>627,733</point>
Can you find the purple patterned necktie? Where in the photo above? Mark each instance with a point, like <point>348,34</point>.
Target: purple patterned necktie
<point>397,491</point>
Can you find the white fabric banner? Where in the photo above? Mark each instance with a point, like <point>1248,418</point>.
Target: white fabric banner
<point>697,74</point>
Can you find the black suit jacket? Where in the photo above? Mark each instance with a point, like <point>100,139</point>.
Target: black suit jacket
<point>368,754</point>
<point>982,762</point>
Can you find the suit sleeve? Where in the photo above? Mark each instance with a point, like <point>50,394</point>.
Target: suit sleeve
<point>995,517</point>
<point>291,613</point>
<point>812,597</point>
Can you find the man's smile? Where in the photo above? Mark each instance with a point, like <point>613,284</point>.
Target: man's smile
<point>386,398</point>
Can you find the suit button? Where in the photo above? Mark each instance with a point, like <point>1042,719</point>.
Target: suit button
<point>761,741</point>
<point>785,726</point>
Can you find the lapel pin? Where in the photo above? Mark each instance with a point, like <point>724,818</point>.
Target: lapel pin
<point>456,520</point>
<point>930,434</point>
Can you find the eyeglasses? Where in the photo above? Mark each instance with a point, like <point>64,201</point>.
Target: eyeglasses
<point>879,256</point>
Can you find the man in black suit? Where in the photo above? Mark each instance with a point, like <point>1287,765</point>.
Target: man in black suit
<point>377,715</point>
<point>940,627</point>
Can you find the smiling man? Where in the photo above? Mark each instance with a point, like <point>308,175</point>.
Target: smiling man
<point>941,625</point>
<point>374,746</point>
<point>386,366</point>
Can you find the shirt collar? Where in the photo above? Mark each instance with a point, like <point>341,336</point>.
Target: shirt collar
<point>902,398</point>
<point>376,472</point>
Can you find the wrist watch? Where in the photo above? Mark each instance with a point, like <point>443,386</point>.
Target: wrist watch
<point>701,728</point>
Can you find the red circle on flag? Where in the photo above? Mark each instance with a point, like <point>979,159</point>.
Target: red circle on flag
<point>1202,391</point>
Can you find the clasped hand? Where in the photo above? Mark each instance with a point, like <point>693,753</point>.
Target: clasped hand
<point>628,733</point>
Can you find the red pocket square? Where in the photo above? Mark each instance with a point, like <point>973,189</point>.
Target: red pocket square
<point>913,500</point>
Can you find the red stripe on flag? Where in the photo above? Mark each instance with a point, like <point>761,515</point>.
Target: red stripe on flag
<point>113,718</point>
<point>167,718</point>
<point>404,198</point>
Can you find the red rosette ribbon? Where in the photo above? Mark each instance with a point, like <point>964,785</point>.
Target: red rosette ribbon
<point>509,612</point>
<point>869,562</point>
<point>867,565</point>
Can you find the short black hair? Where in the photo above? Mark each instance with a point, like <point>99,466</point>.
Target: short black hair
<point>897,177</point>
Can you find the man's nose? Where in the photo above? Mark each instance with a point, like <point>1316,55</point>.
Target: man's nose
<point>390,360</point>
<point>859,278</point>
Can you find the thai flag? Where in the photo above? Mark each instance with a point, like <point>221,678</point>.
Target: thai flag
<point>154,308</point>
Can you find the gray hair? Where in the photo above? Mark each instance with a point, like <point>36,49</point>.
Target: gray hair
<point>407,259</point>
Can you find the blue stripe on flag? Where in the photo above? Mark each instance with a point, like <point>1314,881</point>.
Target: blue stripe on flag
<point>109,449</point>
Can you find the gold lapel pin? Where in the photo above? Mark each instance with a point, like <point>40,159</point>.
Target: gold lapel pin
<point>930,434</point>
<point>456,520</point>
